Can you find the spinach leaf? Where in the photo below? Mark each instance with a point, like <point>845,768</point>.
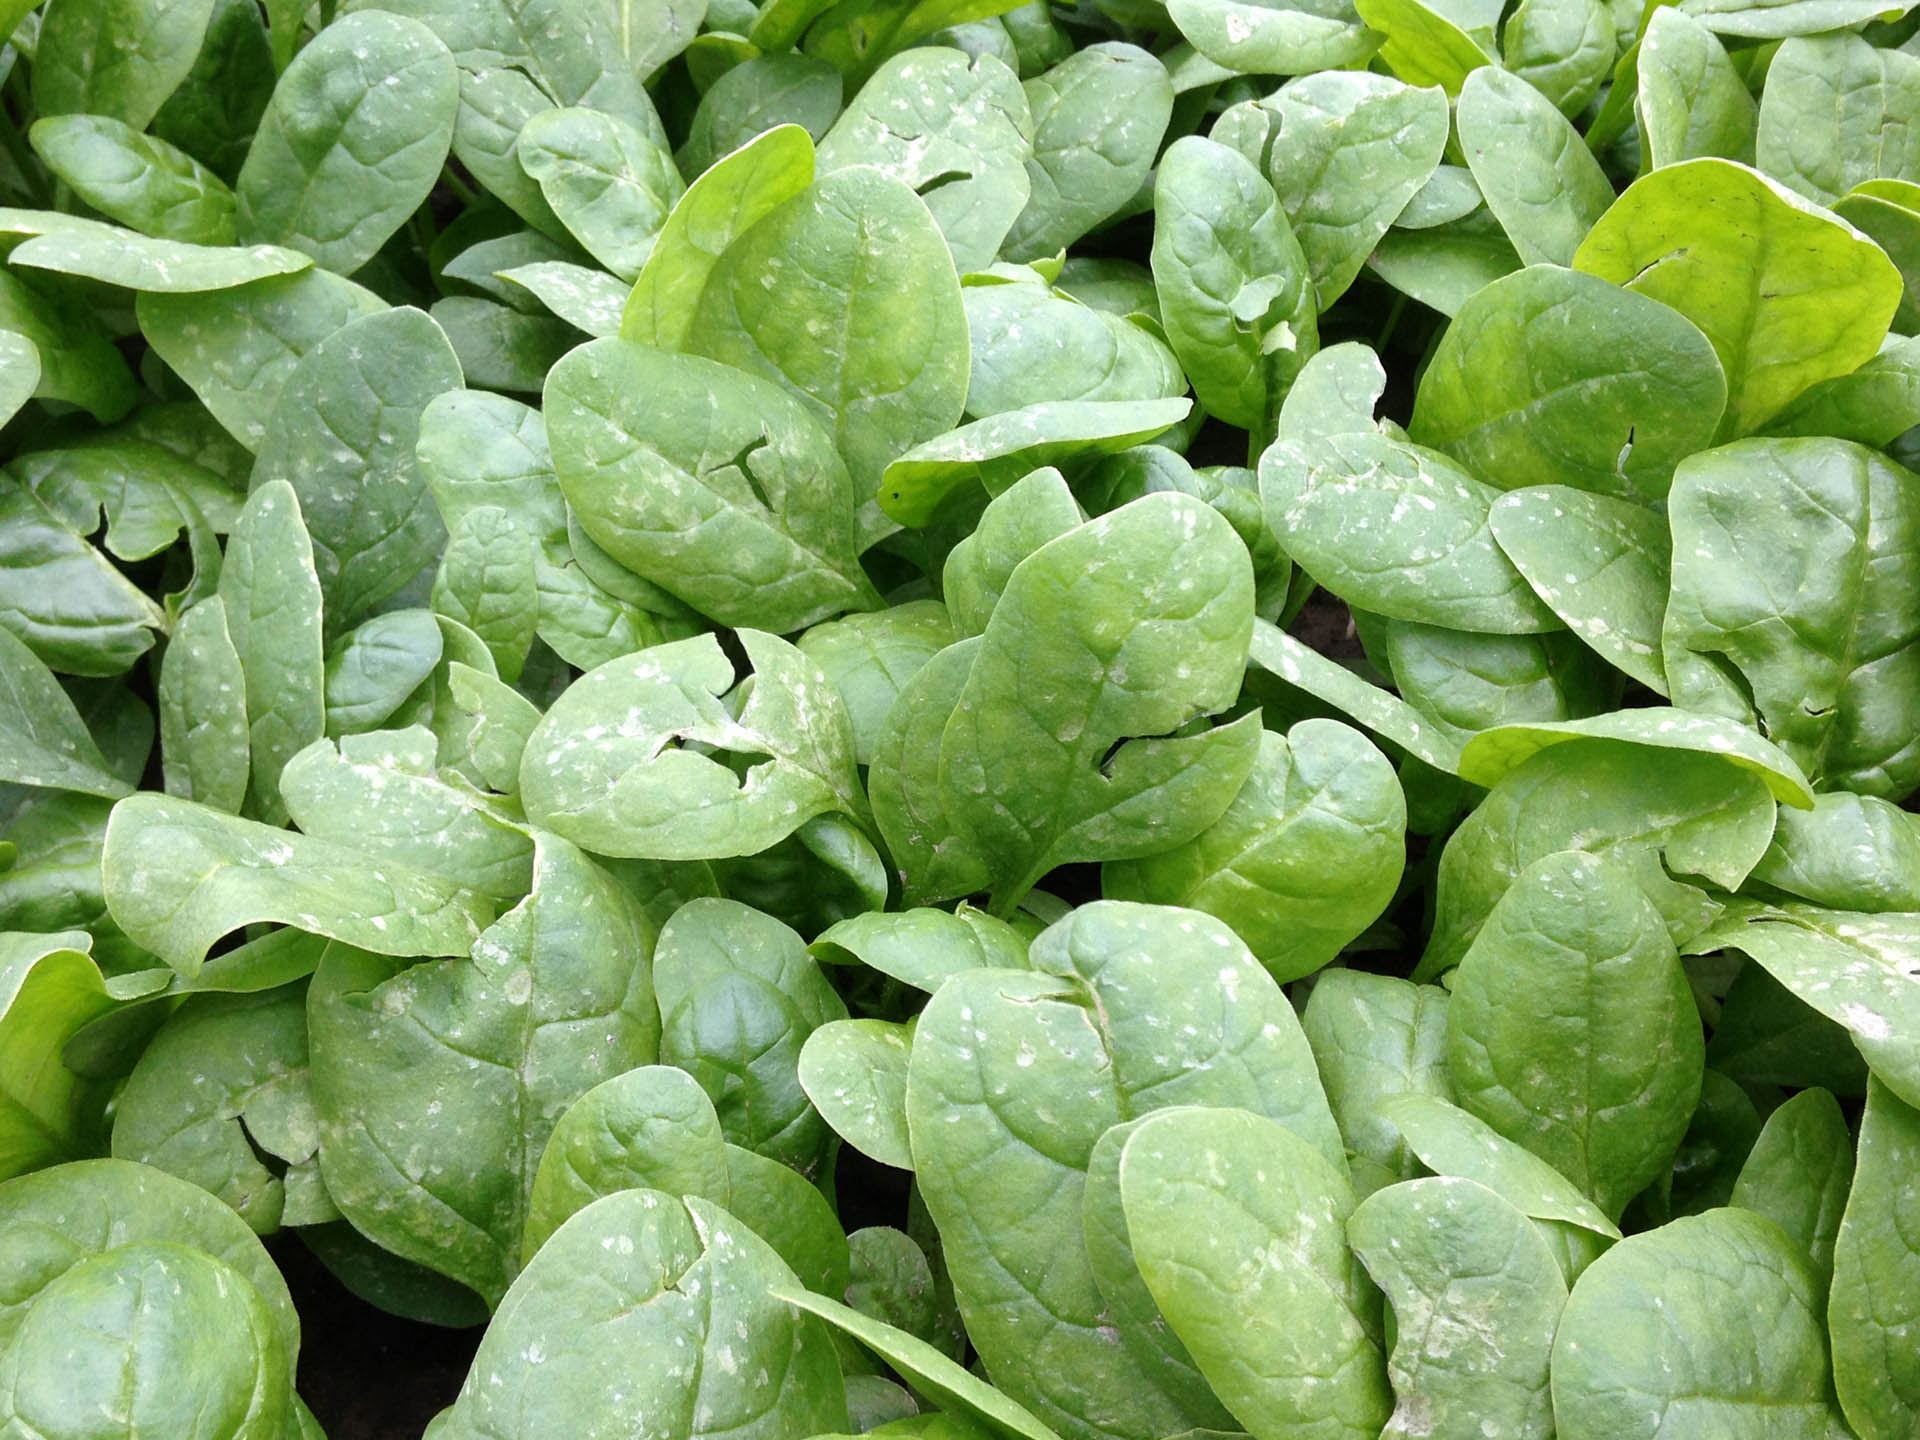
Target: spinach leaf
<point>1874,1274</point>
<point>1304,859</point>
<point>1397,529</point>
<point>1795,296</point>
<point>1806,641</point>
<point>612,1281</point>
<point>602,768</point>
<point>957,132</point>
<point>1540,181</point>
<point>1551,377</point>
<point>834,337</point>
<point>1140,620</point>
<point>1206,1191</point>
<point>1236,293</point>
<point>352,140</point>
<point>1099,117</point>
<point>50,989</point>
<point>1800,1173</point>
<point>342,434</point>
<point>497,1044</point>
<point>1572,1030</point>
<point>1691,102</point>
<point>1476,1297</point>
<point>1738,1325</point>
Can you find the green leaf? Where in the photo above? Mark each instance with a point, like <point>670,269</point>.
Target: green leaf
<point>935,856</point>
<point>755,97</point>
<point>1854,969</point>
<point>165,1336</point>
<point>139,180</point>
<point>1380,711</point>
<point>204,738</point>
<point>1396,529</point>
<point>1375,1036</point>
<point>870,658</point>
<point>50,988</point>
<point>923,947</point>
<point>651,1128</point>
<point>1799,1174</point>
<point>1788,294</point>
<point>373,668</point>
<point>1277,39</point>
<point>47,743</point>
<point>1098,119</point>
<point>1141,618</point>
<point>1127,1001</point>
<point>19,372</point>
<point>1572,1030</point>
<point>352,141</point>
<point>1540,180</point>
<point>212,113</point>
<point>610,184</point>
<point>466,1065</point>
<point>1565,49</point>
<point>1849,852</point>
<point>1493,754</point>
<point>1809,640</point>
<point>1002,449</point>
<point>488,582</point>
<point>118,60</point>
<point>343,435</point>
<point>1234,1219</point>
<point>1705,1326</point>
<point>1774,19</point>
<point>1423,46</point>
<point>1305,858</point>
<point>881,379</point>
<point>1552,377</point>
<point>221,1086</point>
<point>78,363</point>
<point>1445,265</point>
<point>94,1208</point>
<point>236,348</point>
<point>713,484</point>
<point>930,1372</point>
<point>1876,1275</point>
<point>1350,151</point>
<point>1476,1294</point>
<point>585,298</point>
<point>739,995</point>
<point>1837,112</point>
<point>499,347</point>
<point>113,256</point>
<point>1236,295</point>
<point>1032,345</point>
<point>1873,405</point>
<point>603,768</point>
<point>1449,1141</point>
<point>739,190</point>
<point>855,1073</point>
<point>1691,102</point>
<point>179,876</point>
<point>598,1336</point>
<point>1680,811</point>
<point>271,593</point>
<point>1600,563</point>
<point>379,793</point>
<point>1469,683</point>
<point>935,115</point>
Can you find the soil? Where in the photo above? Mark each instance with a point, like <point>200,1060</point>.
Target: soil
<point>367,1375</point>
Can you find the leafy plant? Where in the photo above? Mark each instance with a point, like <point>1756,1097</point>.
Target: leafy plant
<point>1152,721</point>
